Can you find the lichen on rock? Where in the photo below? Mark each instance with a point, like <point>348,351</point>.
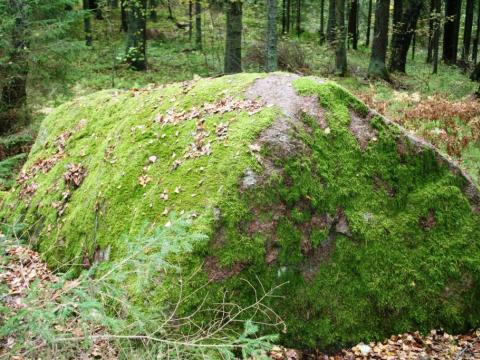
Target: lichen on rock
<point>368,230</point>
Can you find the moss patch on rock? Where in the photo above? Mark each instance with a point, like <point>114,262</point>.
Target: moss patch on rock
<point>370,230</point>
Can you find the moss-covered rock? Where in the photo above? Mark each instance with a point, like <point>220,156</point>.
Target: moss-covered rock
<point>369,230</point>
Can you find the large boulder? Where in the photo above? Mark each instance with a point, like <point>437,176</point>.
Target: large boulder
<point>368,230</point>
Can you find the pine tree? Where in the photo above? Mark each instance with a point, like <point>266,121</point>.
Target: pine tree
<point>341,39</point>
<point>271,43</point>
<point>377,67</point>
<point>467,33</point>
<point>451,30</point>
<point>198,25</point>
<point>369,23</point>
<point>331,21</point>
<point>353,23</point>
<point>136,54</point>
<point>233,45</point>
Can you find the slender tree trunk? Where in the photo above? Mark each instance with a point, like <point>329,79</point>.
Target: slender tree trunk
<point>369,23</point>
<point>123,16</point>
<point>170,11</point>
<point>136,54</point>
<point>377,66</point>
<point>331,21</point>
<point>403,34</point>
<point>198,25</point>
<point>341,39</point>
<point>299,17</point>
<point>233,46</point>
<point>271,43</point>
<point>430,31</point>
<point>477,37</point>
<point>287,18</point>
<point>322,22</point>
<point>284,16</point>
<point>353,23</point>
<point>153,10</point>
<point>87,23</point>
<point>451,30</point>
<point>190,20</point>
<point>467,33</point>
<point>414,43</point>
<point>436,34</point>
<point>93,4</point>
<point>13,97</point>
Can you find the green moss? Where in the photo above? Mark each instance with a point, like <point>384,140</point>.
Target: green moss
<point>409,260</point>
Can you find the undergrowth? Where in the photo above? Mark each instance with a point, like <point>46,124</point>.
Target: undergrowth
<point>96,313</point>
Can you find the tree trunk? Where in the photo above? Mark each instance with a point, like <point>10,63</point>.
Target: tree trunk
<point>14,91</point>
<point>287,18</point>
<point>123,16</point>
<point>233,46</point>
<point>331,21</point>
<point>451,30</point>
<point>190,20</point>
<point>403,34</point>
<point>436,34</point>
<point>271,42</point>
<point>198,25</point>
<point>136,54</point>
<point>153,10</point>
<point>369,23</point>
<point>377,66</point>
<point>341,39</point>
<point>284,16</point>
<point>477,38</point>
<point>299,17</point>
<point>467,33</point>
<point>170,11</point>
<point>93,5</point>
<point>87,23</point>
<point>353,23</point>
<point>430,31</point>
<point>322,22</point>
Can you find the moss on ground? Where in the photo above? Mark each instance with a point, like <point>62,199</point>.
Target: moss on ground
<point>366,241</point>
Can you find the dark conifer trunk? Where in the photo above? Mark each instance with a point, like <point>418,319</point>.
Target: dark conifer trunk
<point>436,35</point>
<point>287,18</point>
<point>93,4</point>
<point>271,60</point>
<point>87,23</point>
<point>341,39</point>
<point>170,11</point>
<point>299,17</point>
<point>153,10</point>
<point>451,30</point>
<point>377,67</point>
<point>404,29</point>
<point>331,21</point>
<point>198,25</point>
<point>322,22</point>
<point>190,19</point>
<point>136,54</point>
<point>123,16</point>
<point>369,23</point>
<point>13,96</point>
<point>353,23</point>
<point>284,16</point>
<point>233,45</point>
<point>467,33</point>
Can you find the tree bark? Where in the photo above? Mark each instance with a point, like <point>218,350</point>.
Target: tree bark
<point>331,21</point>
<point>271,41</point>
<point>451,30</point>
<point>477,37</point>
<point>436,34</point>
<point>341,39</point>
<point>369,23</point>
<point>233,46</point>
<point>123,16</point>
<point>190,19</point>
<point>198,25</point>
<point>299,17</point>
<point>136,54</point>
<point>153,10</point>
<point>322,22</point>
<point>170,11</point>
<point>353,23</point>
<point>287,19</point>
<point>87,23</point>
<point>467,33</point>
<point>377,66</point>
<point>404,29</point>
<point>430,31</point>
<point>13,97</point>
<point>284,16</point>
